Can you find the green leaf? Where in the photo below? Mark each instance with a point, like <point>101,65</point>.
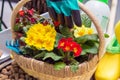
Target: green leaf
<point>26,28</point>
<point>74,66</point>
<point>83,52</point>
<point>52,56</point>
<point>22,39</point>
<point>40,55</point>
<point>106,35</point>
<point>65,31</point>
<point>86,20</point>
<point>85,38</point>
<point>59,65</point>
<point>26,50</point>
<point>58,37</point>
<point>22,48</point>
<point>17,28</point>
<point>90,49</point>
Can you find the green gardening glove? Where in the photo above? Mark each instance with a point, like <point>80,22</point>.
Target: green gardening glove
<point>64,11</point>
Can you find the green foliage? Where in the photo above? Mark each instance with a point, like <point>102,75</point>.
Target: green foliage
<point>22,39</point>
<point>83,52</point>
<point>65,31</point>
<point>89,44</point>
<point>86,20</point>
<point>25,29</point>
<point>92,49</point>
<point>59,65</point>
<point>52,56</point>
<point>40,55</point>
<point>85,38</point>
<point>74,66</point>
<point>17,28</point>
<point>58,37</point>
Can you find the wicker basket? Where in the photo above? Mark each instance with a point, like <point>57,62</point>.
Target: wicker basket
<point>45,71</point>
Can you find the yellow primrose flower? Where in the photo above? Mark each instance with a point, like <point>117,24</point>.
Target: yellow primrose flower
<point>41,36</point>
<point>90,31</point>
<point>49,44</point>
<point>81,31</point>
<point>38,43</point>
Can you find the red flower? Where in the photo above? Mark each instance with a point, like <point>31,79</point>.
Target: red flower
<point>17,20</point>
<point>77,50</point>
<point>64,42</point>
<point>32,20</point>
<point>21,13</point>
<point>31,11</point>
<point>69,45</point>
<point>61,43</point>
<point>56,23</point>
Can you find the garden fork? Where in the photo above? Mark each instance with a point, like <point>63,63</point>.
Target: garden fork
<point>14,46</point>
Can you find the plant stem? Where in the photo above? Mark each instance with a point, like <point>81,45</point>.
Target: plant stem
<point>67,57</point>
<point>62,53</point>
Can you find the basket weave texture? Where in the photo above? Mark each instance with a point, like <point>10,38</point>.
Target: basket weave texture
<point>45,71</point>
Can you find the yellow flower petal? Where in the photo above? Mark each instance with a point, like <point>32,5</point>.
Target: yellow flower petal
<point>81,31</point>
<point>41,36</point>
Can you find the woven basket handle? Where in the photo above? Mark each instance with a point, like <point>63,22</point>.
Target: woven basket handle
<point>92,17</point>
